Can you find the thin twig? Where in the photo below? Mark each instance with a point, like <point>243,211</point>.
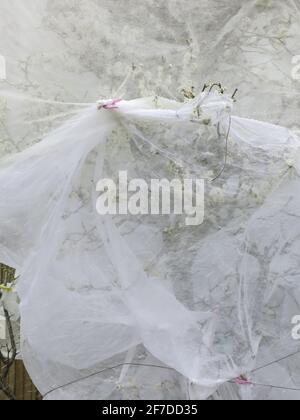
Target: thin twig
<point>9,360</point>
<point>7,277</point>
<point>226,151</point>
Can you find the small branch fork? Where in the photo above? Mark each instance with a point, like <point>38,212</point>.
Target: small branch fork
<point>218,86</point>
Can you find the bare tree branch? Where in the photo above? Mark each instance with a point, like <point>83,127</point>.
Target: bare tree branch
<point>7,275</point>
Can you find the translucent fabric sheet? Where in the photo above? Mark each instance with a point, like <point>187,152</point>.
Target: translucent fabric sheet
<point>197,305</point>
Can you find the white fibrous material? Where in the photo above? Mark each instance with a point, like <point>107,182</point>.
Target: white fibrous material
<point>144,306</point>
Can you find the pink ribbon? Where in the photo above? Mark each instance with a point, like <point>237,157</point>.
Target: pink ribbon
<point>241,380</point>
<point>111,105</point>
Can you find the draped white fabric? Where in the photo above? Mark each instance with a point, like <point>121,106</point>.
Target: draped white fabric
<point>201,300</point>
<point>145,306</point>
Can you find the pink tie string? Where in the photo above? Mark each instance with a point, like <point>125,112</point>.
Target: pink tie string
<point>241,380</point>
<point>111,104</point>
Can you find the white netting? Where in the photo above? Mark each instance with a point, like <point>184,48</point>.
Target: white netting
<point>203,301</point>
<point>145,306</point>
